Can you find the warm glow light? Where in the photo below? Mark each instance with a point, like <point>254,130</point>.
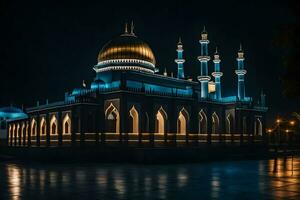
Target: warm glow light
<point>292,123</point>
<point>278,120</point>
<point>269,130</point>
<point>287,130</point>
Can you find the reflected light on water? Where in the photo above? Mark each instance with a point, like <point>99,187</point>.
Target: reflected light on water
<point>270,179</point>
<point>215,185</point>
<point>182,178</point>
<point>14,182</point>
<point>162,185</point>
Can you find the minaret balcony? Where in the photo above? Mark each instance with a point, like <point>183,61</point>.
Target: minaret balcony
<point>203,58</point>
<point>204,41</point>
<point>203,78</point>
<point>241,72</point>
<point>217,74</point>
<point>179,61</point>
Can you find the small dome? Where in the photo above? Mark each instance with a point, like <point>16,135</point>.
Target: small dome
<point>11,113</point>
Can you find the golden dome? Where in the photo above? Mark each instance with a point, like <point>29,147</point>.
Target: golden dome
<point>126,46</point>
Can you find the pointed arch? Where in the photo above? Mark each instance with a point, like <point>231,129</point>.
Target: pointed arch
<point>135,119</point>
<point>66,124</point>
<point>18,135</point>
<point>112,116</point>
<point>202,127</point>
<point>53,125</point>
<point>182,121</point>
<point>33,127</point>
<point>26,133</point>
<point>43,126</point>
<point>14,135</point>
<point>23,133</point>
<point>10,134</point>
<point>161,121</point>
<point>229,124</point>
<point>215,123</point>
<point>257,126</point>
<point>18,131</point>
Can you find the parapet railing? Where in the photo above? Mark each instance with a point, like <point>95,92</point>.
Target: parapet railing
<point>154,139</point>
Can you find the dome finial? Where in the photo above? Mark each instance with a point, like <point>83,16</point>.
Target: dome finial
<point>132,28</point>
<point>179,41</point>
<point>241,48</point>
<point>126,28</point>
<point>204,30</point>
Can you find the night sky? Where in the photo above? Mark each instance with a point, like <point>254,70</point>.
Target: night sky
<point>49,47</point>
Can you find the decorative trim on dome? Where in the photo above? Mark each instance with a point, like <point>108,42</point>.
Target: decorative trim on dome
<point>127,68</point>
<point>131,61</point>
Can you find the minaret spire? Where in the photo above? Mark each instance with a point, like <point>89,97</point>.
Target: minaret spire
<point>217,75</point>
<point>165,72</point>
<point>179,60</point>
<point>132,28</point>
<point>241,72</point>
<point>126,28</point>
<point>204,58</point>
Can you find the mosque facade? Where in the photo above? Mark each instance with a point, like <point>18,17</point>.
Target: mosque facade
<point>130,102</point>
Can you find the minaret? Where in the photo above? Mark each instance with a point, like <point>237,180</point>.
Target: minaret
<point>241,74</point>
<point>179,60</point>
<point>165,72</point>
<point>204,58</point>
<point>217,74</point>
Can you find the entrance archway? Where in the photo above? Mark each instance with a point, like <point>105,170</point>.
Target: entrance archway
<point>161,119</point>
<point>202,123</point>
<point>112,117</point>
<point>215,123</point>
<point>135,119</point>
<point>182,121</point>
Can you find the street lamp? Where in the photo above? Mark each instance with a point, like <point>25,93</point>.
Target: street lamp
<point>292,123</point>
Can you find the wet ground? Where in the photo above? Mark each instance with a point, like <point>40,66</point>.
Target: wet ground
<point>254,179</point>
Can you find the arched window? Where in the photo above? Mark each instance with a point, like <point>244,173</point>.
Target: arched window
<point>135,119</point>
<point>67,124</point>
<point>23,133</point>
<point>161,119</point>
<point>26,132</point>
<point>182,120</point>
<point>14,134</point>
<point>202,123</point>
<point>257,127</point>
<point>53,125</point>
<point>43,128</point>
<point>10,133</point>
<point>33,127</point>
<point>18,133</point>
<point>112,117</point>
<point>215,123</point>
<point>229,124</point>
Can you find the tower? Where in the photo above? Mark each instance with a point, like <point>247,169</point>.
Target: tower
<point>217,75</point>
<point>204,58</point>
<point>240,72</point>
<point>179,60</point>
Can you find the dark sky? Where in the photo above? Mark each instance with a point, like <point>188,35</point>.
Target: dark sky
<point>49,47</point>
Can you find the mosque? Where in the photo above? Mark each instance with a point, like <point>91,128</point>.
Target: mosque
<point>130,102</point>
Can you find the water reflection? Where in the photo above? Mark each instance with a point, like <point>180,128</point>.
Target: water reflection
<point>271,179</point>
